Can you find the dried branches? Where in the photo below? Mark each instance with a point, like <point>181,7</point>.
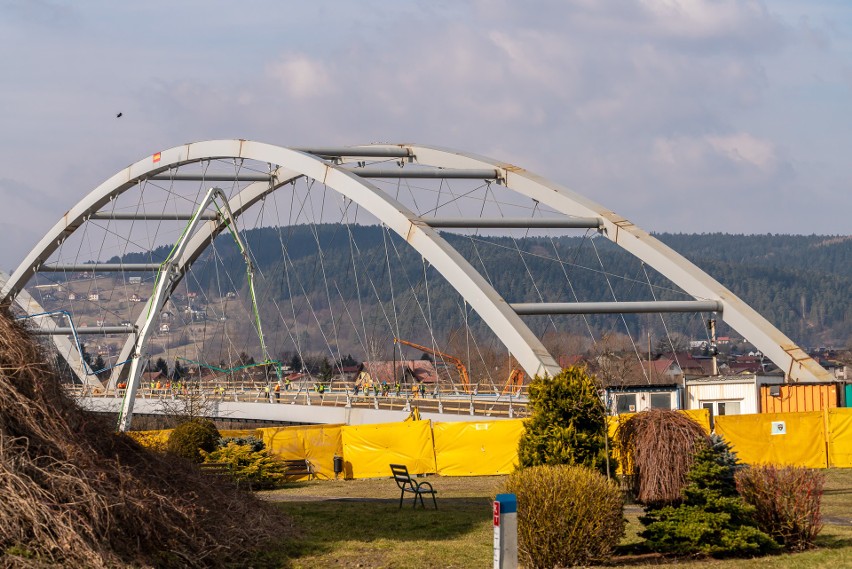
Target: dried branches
<point>658,447</point>
<point>74,493</point>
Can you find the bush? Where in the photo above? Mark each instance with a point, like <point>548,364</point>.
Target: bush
<point>567,423</point>
<point>157,441</point>
<point>254,467</point>
<point>567,515</point>
<point>712,519</point>
<point>787,502</point>
<point>253,442</point>
<point>191,437</point>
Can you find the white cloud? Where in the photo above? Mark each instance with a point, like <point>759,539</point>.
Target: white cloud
<point>301,77</point>
<point>743,147</point>
<point>704,153</point>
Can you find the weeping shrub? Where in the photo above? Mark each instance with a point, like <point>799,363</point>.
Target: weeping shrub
<point>567,515</point>
<point>657,448</point>
<point>193,436</point>
<point>567,423</point>
<point>787,502</point>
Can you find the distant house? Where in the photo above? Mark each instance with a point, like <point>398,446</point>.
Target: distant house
<point>692,366</point>
<point>744,364</point>
<point>151,376</point>
<point>135,298</point>
<point>723,394</point>
<point>639,386</point>
<point>165,328</point>
<point>134,280</point>
<point>407,371</point>
<point>198,314</point>
<point>350,372</point>
<point>72,296</point>
<point>94,296</point>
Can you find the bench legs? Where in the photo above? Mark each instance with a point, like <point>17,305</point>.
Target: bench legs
<point>416,496</point>
<point>420,495</point>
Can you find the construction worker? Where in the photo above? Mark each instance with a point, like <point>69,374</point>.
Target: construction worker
<point>278,390</point>
<point>398,388</point>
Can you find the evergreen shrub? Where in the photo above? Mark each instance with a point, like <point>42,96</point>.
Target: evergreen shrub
<point>567,515</point>
<point>712,519</point>
<point>156,441</point>
<point>255,443</point>
<point>193,436</point>
<point>787,502</point>
<point>254,467</point>
<point>567,423</point>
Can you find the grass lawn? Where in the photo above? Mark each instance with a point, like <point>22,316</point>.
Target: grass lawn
<point>357,523</point>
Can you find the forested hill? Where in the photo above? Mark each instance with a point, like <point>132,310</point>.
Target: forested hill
<point>799,283</point>
<point>818,253</point>
<point>802,283</point>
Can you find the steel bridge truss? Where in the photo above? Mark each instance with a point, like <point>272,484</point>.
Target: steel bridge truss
<point>345,171</point>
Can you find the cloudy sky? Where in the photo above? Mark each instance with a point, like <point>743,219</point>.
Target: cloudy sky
<point>682,115</point>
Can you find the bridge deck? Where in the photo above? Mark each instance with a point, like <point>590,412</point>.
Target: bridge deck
<point>296,405</point>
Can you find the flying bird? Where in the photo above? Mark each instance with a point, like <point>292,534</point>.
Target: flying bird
<point>118,116</point>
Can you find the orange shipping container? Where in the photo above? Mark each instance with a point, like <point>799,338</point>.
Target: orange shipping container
<point>798,398</point>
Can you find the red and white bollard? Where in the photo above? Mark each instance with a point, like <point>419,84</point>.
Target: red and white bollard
<point>505,531</point>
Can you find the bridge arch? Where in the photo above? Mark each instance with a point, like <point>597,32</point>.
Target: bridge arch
<point>328,165</point>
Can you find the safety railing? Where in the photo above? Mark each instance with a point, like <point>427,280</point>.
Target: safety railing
<point>487,405</point>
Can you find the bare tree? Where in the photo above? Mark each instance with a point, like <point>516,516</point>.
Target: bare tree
<point>186,402</point>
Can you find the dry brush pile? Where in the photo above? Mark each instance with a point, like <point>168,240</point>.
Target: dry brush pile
<point>75,493</point>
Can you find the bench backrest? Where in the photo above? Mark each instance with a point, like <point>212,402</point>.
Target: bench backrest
<point>400,474</point>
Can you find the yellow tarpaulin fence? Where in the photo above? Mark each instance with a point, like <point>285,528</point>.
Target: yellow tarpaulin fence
<point>239,433</point>
<point>316,443</point>
<point>776,438</point>
<point>840,437</point>
<point>369,449</point>
<point>813,439</point>
<point>477,449</point>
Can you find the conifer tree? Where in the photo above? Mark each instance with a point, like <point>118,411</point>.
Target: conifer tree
<point>567,423</point>
<point>712,519</point>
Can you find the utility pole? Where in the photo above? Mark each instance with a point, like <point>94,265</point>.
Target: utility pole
<point>711,325</point>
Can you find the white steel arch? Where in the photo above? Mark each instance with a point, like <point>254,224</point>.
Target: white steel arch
<point>70,352</point>
<point>796,364</point>
<point>491,307</point>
